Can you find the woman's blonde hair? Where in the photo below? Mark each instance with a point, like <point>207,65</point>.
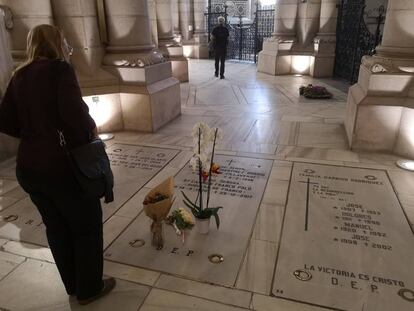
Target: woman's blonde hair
<point>45,41</point>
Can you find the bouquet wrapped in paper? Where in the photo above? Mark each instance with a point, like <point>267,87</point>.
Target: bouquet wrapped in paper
<point>157,205</point>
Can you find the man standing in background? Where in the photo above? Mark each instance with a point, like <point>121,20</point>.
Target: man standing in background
<point>221,38</point>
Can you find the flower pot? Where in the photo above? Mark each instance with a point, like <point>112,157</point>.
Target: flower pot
<point>202,225</point>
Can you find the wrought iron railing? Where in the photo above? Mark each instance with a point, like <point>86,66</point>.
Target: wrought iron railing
<point>354,39</point>
<point>246,39</point>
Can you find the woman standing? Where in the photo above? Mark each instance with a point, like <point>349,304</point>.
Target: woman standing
<point>44,96</point>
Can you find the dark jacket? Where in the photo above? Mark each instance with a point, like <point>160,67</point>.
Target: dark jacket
<point>221,37</point>
<point>41,98</point>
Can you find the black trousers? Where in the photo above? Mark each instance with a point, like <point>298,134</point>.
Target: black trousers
<point>220,57</point>
<point>73,228</point>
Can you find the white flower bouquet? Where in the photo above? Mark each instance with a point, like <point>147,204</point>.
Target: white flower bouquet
<point>183,221</point>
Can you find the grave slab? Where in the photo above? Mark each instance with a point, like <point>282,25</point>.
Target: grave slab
<point>346,242</point>
<point>239,189</point>
<point>133,166</point>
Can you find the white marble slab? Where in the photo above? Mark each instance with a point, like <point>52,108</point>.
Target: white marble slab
<point>161,300</point>
<point>22,222</point>
<point>133,166</point>
<point>241,189</point>
<point>8,262</point>
<point>129,273</point>
<point>36,285</point>
<point>346,242</point>
<point>29,250</point>
<point>5,202</point>
<point>220,294</point>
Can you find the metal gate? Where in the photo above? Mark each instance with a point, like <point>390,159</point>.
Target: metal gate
<point>246,39</point>
<point>354,39</point>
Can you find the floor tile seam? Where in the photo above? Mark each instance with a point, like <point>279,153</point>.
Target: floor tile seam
<point>234,92</point>
<point>231,288</point>
<point>315,161</point>
<point>188,96</point>
<point>278,247</point>
<point>304,303</point>
<point>26,256</point>
<point>154,145</point>
<point>145,298</point>
<point>282,91</point>
<point>8,178</point>
<point>249,132</point>
<point>150,284</point>
<point>18,201</point>
<point>13,270</point>
<point>246,249</point>
<point>201,298</point>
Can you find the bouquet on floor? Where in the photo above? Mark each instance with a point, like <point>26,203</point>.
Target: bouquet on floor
<point>314,92</point>
<point>182,221</point>
<point>157,205</point>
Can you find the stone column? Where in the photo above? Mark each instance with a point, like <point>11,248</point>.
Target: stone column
<point>79,21</point>
<point>150,96</point>
<point>6,60</point>
<point>307,24</point>
<point>8,145</point>
<point>172,50</point>
<point>186,20</point>
<point>176,20</point>
<point>398,37</point>
<point>380,108</point>
<point>128,24</point>
<point>152,11</point>
<point>200,47</point>
<point>164,22</point>
<point>325,41</point>
<point>26,15</point>
<point>199,9</point>
<point>275,58</point>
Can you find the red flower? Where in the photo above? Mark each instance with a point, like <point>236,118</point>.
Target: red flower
<point>204,175</point>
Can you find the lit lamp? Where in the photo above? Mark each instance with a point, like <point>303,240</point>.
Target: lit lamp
<point>406,164</point>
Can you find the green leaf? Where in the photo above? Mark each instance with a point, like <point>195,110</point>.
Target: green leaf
<point>189,201</point>
<point>193,210</point>
<point>217,218</point>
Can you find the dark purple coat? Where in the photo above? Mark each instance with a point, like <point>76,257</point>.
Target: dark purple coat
<point>41,98</point>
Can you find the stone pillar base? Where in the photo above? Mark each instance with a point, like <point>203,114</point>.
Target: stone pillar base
<point>196,51</point>
<point>145,99</point>
<point>273,59</point>
<point>178,61</point>
<point>149,108</point>
<point>282,57</point>
<point>180,68</point>
<point>322,66</point>
<point>380,109</point>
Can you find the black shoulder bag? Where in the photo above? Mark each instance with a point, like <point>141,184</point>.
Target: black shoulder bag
<point>91,167</point>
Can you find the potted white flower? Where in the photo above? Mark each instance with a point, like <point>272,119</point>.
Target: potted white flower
<point>205,139</point>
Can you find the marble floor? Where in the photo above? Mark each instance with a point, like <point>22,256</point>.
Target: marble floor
<point>262,117</point>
